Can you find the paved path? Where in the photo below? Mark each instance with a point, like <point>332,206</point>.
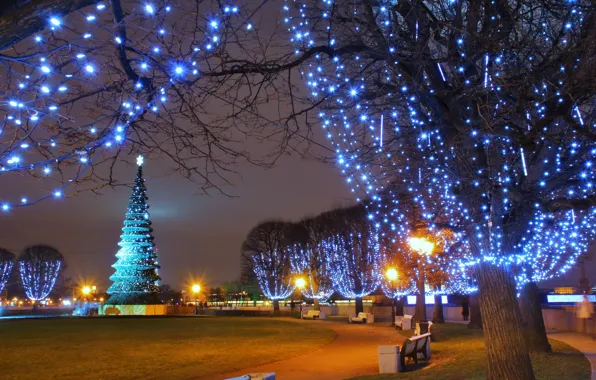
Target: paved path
<point>581,342</point>
<point>353,353</point>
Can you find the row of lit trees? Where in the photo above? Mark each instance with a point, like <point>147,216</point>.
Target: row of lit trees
<point>39,267</point>
<point>341,251</point>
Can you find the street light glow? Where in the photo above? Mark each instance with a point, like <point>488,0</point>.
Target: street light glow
<point>422,245</point>
<point>196,288</point>
<point>86,290</point>
<point>300,282</point>
<point>391,274</point>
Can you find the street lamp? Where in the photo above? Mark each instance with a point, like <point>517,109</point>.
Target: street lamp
<point>425,249</point>
<point>392,276</point>
<point>86,290</point>
<point>300,283</point>
<point>196,288</point>
<point>422,246</point>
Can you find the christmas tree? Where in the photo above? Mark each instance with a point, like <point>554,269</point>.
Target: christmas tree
<point>136,280</point>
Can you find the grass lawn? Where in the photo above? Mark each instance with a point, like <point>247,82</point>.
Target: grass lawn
<point>343,319</point>
<point>148,348</point>
<point>459,354</point>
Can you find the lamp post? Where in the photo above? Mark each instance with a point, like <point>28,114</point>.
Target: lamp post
<point>424,249</point>
<point>86,292</point>
<point>196,288</point>
<point>300,283</point>
<point>392,276</point>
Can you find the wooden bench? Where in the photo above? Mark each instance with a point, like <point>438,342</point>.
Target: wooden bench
<point>313,314</point>
<point>403,322</point>
<point>362,318</point>
<point>413,347</point>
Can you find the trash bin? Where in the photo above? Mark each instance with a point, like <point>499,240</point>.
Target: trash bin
<point>388,359</point>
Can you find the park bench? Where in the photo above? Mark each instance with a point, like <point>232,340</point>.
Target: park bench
<point>362,318</point>
<point>404,322</point>
<point>417,330</point>
<point>413,348</point>
<point>255,376</point>
<point>313,314</point>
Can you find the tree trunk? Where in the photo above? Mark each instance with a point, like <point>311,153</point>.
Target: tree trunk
<point>420,310</point>
<point>399,306</point>
<point>317,304</point>
<point>276,306</point>
<point>506,348</point>
<point>534,322</point>
<point>475,315</point>
<point>393,305</point>
<point>359,305</point>
<point>438,316</point>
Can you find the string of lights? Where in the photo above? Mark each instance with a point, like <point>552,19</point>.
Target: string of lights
<point>44,130</point>
<point>270,269</point>
<point>39,267</point>
<point>486,168</point>
<point>353,263</point>
<point>6,264</point>
<point>311,262</point>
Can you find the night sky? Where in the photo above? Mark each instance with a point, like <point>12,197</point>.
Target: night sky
<point>197,235</point>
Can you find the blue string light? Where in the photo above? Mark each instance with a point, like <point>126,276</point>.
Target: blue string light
<point>42,129</point>
<point>491,170</point>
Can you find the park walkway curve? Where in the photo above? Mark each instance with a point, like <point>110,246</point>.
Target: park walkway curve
<point>353,353</point>
<point>581,342</point>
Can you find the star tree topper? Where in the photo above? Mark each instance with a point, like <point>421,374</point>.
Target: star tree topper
<point>140,160</point>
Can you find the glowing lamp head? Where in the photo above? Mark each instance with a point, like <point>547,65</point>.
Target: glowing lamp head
<point>300,283</point>
<point>391,274</point>
<point>422,246</point>
<point>196,288</point>
<point>86,290</point>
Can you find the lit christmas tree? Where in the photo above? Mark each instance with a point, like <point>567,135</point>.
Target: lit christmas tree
<point>136,280</point>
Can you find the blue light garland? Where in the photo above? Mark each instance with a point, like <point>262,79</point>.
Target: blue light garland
<point>6,264</point>
<point>495,170</point>
<point>43,133</point>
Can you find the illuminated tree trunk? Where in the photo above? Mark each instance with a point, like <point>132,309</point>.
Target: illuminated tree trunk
<point>317,304</point>
<point>475,315</point>
<point>359,305</point>
<point>438,316</point>
<point>276,306</point>
<point>420,311</point>
<point>534,322</point>
<point>506,348</point>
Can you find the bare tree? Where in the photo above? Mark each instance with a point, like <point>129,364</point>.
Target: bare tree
<point>554,255</point>
<point>6,263</point>
<point>310,258</point>
<point>89,83</point>
<point>266,251</point>
<point>353,254</point>
<point>39,266</point>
